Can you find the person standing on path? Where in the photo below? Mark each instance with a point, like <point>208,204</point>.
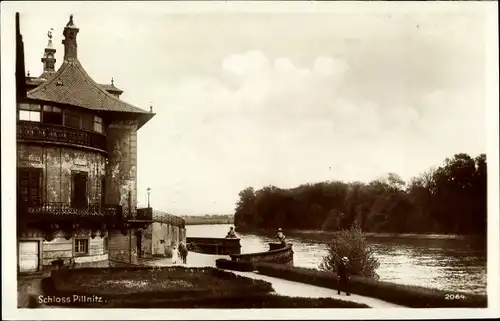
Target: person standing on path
<point>175,255</point>
<point>183,251</point>
<point>343,276</point>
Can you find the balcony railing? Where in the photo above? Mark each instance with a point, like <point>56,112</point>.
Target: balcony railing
<point>145,214</point>
<point>65,210</point>
<point>40,132</point>
<point>171,220</point>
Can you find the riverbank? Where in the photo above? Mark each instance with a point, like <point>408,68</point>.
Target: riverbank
<point>430,236</point>
<point>399,294</point>
<point>448,264</point>
<point>284,287</point>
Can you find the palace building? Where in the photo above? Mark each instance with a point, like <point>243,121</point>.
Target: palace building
<point>76,164</point>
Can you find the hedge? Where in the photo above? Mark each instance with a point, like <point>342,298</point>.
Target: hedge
<point>405,295</point>
<point>242,301</point>
<point>208,283</point>
<point>270,301</point>
<point>241,293</point>
<point>242,266</point>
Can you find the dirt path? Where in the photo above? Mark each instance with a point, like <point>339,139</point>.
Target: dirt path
<point>281,286</point>
<point>290,288</point>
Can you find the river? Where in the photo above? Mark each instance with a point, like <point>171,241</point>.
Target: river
<point>447,264</point>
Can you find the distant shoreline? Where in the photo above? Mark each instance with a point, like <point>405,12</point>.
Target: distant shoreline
<point>389,235</point>
<point>371,234</point>
<point>429,236</point>
<point>208,223</point>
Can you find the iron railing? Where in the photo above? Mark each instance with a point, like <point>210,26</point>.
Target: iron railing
<point>145,213</point>
<point>170,219</point>
<point>66,209</point>
<point>40,132</point>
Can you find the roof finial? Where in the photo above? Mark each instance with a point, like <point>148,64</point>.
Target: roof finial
<point>151,107</point>
<point>28,73</point>
<point>49,34</point>
<point>112,81</point>
<point>70,44</point>
<point>70,22</point>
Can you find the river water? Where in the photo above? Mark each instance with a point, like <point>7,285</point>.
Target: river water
<point>447,264</point>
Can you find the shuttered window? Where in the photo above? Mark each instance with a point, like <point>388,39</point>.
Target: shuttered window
<point>29,186</point>
<point>79,199</point>
<point>88,122</point>
<point>52,115</point>
<point>72,119</point>
<point>98,124</point>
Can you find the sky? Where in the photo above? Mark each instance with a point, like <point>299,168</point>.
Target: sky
<point>280,98</point>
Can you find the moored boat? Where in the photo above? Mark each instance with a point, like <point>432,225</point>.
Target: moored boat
<point>212,245</point>
<point>277,253</point>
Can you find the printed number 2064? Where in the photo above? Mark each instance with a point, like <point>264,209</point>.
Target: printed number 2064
<point>454,297</point>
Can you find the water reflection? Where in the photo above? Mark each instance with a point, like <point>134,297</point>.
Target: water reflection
<point>452,265</point>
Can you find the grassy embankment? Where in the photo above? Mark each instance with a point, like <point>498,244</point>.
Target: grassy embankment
<point>172,287</point>
<point>405,295</point>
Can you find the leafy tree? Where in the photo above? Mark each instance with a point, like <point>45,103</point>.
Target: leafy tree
<point>448,199</point>
<point>352,244</point>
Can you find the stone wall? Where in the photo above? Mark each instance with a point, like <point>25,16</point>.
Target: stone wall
<point>147,241</point>
<point>123,247</point>
<point>121,169</point>
<point>61,248</point>
<point>164,236</point>
<point>57,165</point>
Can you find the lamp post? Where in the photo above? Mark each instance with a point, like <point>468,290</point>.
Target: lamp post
<point>149,192</point>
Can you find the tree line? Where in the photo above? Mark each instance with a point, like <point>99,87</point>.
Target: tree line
<point>447,199</point>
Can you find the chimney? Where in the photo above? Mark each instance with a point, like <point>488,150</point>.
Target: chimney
<point>69,42</point>
<point>20,65</point>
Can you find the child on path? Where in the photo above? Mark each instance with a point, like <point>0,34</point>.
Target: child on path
<point>175,255</point>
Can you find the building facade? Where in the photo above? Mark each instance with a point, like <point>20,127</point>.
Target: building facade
<point>165,232</point>
<point>76,164</point>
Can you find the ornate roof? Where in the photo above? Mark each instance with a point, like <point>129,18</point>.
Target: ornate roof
<point>111,88</point>
<point>71,85</point>
<point>35,81</point>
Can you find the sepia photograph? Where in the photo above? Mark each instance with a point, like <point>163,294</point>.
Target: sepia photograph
<point>290,160</point>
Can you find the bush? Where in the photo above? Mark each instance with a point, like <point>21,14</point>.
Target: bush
<point>352,244</point>
<point>235,265</point>
<point>58,263</point>
<point>405,295</point>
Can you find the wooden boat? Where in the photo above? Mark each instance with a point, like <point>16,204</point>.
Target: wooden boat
<point>277,253</point>
<point>212,245</point>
